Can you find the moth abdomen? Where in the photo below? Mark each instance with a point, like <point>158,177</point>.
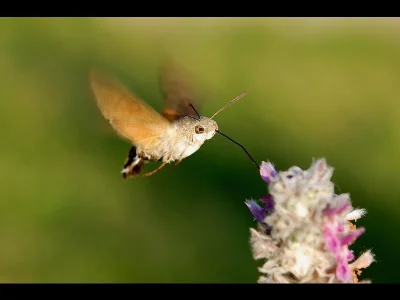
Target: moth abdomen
<point>148,157</point>
<point>133,164</point>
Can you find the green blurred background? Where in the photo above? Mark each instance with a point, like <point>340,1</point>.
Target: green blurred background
<point>317,88</point>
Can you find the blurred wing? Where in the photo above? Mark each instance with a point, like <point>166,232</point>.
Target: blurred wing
<point>131,118</point>
<point>178,92</point>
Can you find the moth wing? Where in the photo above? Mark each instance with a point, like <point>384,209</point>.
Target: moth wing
<point>178,92</point>
<point>130,117</point>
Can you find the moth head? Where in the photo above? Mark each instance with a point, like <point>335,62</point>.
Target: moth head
<point>204,129</point>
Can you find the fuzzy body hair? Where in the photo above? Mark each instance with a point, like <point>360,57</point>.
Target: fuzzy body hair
<point>180,142</point>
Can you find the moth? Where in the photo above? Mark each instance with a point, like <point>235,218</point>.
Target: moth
<point>170,136</point>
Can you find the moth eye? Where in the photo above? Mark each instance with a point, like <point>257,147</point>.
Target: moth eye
<point>199,129</point>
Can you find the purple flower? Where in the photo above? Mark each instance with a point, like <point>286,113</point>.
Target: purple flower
<point>257,211</point>
<point>269,202</point>
<point>332,241</point>
<point>337,242</point>
<point>343,272</point>
<point>350,255</point>
<point>337,210</point>
<point>267,171</point>
<point>352,236</point>
<point>304,229</point>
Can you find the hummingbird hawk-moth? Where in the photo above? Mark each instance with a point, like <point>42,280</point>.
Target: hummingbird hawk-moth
<point>172,135</point>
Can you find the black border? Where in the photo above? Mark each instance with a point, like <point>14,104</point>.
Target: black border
<point>189,290</point>
<point>193,9</point>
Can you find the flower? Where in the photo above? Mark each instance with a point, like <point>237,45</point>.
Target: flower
<point>304,229</point>
<point>257,211</point>
<point>267,171</point>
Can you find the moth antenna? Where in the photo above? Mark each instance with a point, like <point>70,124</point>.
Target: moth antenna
<point>229,103</point>
<point>248,154</point>
<point>194,110</point>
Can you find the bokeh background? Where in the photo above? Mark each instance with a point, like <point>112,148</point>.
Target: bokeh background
<point>317,88</point>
